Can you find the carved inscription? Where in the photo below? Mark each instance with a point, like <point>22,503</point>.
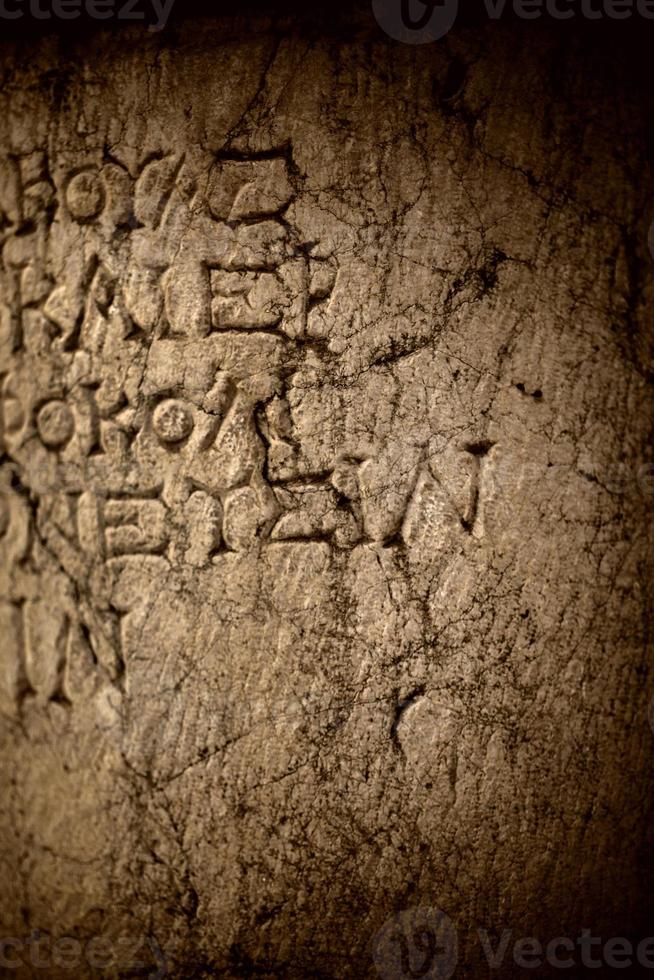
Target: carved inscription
<point>151,320</point>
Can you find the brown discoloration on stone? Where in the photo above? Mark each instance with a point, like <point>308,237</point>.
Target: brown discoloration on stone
<point>320,596</point>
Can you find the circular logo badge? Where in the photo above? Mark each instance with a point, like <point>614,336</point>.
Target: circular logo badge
<point>416,943</point>
<point>415,21</point>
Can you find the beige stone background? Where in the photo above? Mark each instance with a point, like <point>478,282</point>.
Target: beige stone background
<point>326,369</point>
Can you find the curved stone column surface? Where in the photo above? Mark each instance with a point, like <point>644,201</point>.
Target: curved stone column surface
<point>326,377</point>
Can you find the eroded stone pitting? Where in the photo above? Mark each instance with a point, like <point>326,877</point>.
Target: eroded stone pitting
<point>321,595</point>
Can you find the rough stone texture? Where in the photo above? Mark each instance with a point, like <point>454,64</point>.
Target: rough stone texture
<point>327,398</point>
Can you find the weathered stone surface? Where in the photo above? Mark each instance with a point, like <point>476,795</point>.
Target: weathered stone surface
<point>326,523</point>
